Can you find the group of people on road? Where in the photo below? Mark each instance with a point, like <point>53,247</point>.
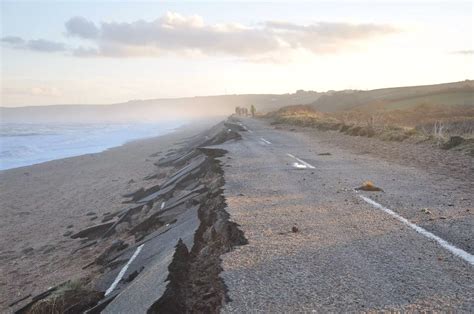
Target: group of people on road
<point>242,111</point>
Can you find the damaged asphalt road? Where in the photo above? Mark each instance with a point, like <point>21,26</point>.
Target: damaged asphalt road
<point>165,245</point>
<point>247,219</point>
<point>347,254</point>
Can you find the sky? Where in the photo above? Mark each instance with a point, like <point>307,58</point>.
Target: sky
<point>92,52</point>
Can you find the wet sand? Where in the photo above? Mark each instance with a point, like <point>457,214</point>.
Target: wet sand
<point>41,204</point>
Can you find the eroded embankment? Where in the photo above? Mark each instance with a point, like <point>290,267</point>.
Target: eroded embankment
<point>161,253</point>
<point>194,282</point>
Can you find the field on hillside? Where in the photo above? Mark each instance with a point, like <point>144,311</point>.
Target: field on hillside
<point>447,99</point>
<point>458,93</point>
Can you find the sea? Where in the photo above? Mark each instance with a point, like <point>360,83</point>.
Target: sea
<point>23,144</point>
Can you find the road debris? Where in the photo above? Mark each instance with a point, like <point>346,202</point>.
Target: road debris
<point>369,186</point>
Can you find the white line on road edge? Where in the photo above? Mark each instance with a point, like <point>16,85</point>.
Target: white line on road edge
<point>265,141</point>
<point>123,270</point>
<point>299,166</point>
<point>301,161</point>
<point>456,251</point>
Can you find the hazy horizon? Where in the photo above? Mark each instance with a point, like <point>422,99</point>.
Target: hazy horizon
<point>212,96</point>
<point>113,52</point>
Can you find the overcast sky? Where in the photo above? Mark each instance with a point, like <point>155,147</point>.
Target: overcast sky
<point>89,52</point>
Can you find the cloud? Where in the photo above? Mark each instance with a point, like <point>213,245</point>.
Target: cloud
<point>45,45</point>
<point>13,40</point>
<point>40,45</point>
<point>174,33</point>
<point>81,27</point>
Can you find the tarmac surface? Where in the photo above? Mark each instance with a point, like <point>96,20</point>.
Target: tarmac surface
<point>348,253</point>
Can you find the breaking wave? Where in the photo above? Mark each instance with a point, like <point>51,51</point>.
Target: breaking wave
<point>28,144</point>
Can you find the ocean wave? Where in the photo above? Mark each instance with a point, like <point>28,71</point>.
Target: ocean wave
<point>27,144</point>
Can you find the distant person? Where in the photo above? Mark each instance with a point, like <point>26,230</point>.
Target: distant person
<point>253,110</point>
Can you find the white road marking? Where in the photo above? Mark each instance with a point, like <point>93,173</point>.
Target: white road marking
<point>299,166</point>
<point>248,130</point>
<point>123,270</point>
<point>163,205</point>
<point>456,251</point>
<point>301,161</point>
<point>265,141</point>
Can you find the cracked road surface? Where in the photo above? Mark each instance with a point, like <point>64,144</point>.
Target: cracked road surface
<point>348,254</point>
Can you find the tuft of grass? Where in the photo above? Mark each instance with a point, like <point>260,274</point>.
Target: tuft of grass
<point>72,296</point>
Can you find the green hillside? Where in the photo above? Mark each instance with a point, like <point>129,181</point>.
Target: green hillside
<point>457,93</point>
<point>449,99</point>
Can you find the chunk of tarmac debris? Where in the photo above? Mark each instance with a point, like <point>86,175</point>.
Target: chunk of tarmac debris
<point>369,186</point>
<point>106,256</point>
<point>93,231</point>
<point>86,245</point>
<point>15,302</point>
<point>295,229</point>
<point>34,299</point>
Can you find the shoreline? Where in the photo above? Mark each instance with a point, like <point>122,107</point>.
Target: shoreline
<point>42,204</point>
<point>165,132</point>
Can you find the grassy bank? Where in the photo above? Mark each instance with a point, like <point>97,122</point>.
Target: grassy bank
<point>448,127</point>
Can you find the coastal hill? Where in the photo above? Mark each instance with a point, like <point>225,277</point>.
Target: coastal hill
<point>154,109</point>
<point>457,93</point>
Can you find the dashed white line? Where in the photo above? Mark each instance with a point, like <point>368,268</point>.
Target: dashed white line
<point>301,161</point>
<point>163,205</point>
<point>454,250</point>
<point>265,141</point>
<point>123,270</point>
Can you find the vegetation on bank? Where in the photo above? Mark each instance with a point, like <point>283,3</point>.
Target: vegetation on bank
<point>446,126</point>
